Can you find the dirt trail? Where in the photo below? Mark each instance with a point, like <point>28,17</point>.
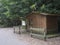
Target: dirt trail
<point>7,37</point>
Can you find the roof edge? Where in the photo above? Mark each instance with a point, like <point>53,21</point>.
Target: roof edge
<point>46,14</point>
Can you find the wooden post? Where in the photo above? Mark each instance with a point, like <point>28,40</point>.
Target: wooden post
<point>27,26</point>
<point>14,29</point>
<point>19,29</point>
<point>45,32</point>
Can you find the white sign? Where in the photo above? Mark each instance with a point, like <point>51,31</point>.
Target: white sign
<point>23,23</point>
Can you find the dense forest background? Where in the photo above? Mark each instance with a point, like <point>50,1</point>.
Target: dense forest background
<point>12,11</point>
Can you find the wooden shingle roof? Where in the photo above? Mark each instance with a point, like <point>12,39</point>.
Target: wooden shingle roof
<point>46,14</point>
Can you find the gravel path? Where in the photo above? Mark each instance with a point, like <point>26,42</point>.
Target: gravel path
<point>7,37</point>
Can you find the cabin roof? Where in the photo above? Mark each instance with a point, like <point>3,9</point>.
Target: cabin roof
<point>46,14</point>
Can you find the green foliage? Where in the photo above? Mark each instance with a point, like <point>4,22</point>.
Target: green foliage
<point>51,6</point>
<point>22,7</point>
<point>6,17</point>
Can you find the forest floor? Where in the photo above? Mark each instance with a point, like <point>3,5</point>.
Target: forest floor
<point>7,37</point>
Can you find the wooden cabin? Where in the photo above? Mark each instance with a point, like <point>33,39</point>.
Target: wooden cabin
<point>42,23</point>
